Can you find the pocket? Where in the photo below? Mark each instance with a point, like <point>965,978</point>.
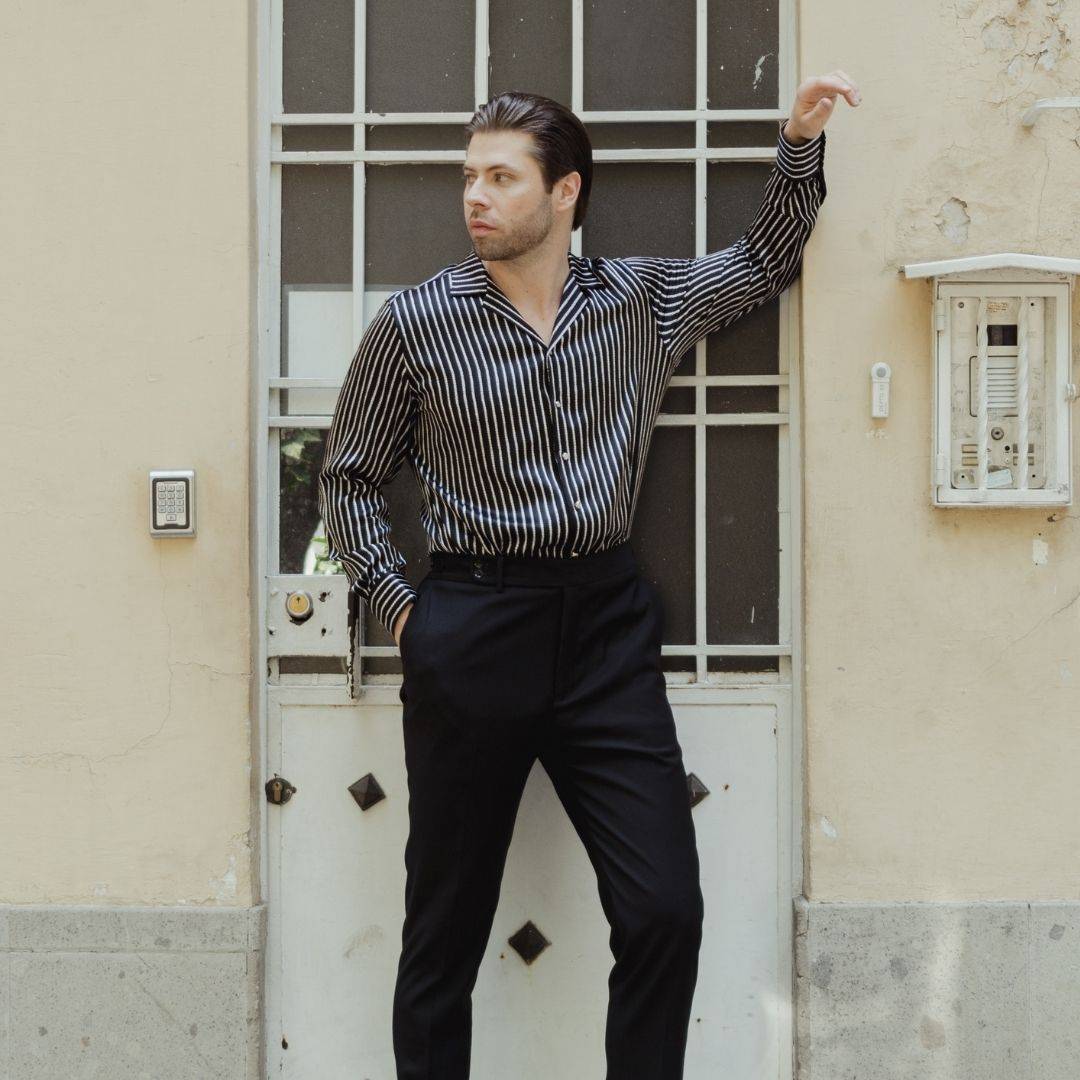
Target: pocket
<point>656,603</point>
<point>406,631</point>
<point>405,644</point>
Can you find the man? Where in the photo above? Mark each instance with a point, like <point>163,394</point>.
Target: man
<point>523,384</point>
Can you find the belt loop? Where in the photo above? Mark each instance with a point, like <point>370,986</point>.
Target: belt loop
<point>498,573</point>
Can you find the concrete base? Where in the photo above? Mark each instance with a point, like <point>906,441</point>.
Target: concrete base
<point>938,991</point>
<point>130,993</point>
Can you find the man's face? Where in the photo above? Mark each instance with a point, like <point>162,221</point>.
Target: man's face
<point>504,189</point>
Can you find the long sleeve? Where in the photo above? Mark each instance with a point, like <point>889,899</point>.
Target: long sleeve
<point>691,298</point>
<point>369,436</point>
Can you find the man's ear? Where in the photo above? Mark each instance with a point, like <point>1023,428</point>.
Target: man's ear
<point>568,188</point>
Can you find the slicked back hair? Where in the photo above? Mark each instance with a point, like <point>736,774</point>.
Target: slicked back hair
<point>560,143</point>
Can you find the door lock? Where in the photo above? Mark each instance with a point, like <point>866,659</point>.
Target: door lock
<point>279,790</point>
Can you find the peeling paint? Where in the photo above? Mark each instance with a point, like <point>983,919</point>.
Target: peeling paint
<point>759,68</point>
<point>828,828</point>
<point>1040,551</point>
<point>224,887</point>
<point>364,938</point>
<point>953,220</point>
<point>1030,39</point>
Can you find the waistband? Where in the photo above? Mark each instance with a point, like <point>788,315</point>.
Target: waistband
<point>495,570</point>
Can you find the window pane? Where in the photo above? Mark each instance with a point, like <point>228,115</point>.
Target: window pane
<point>416,137</point>
<point>316,224</point>
<point>530,47</point>
<point>735,190</point>
<point>639,54</point>
<point>741,133</point>
<point>751,344</point>
<point>678,399</point>
<point>317,55</point>
<point>639,209</point>
<point>737,399</point>
<point>316,280</point>
<point>623,135</point>
<point>317,341</point>
<point>317,137</point>
<point>663,530</point>
<point>302,535</point>
<point>414,223</point>
<point>744,47</point>
<point>420,56</point>
<point>742,534</point>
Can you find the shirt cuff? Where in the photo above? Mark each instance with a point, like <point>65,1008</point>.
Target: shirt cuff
<point>389,596</point>
<point>799,161</point>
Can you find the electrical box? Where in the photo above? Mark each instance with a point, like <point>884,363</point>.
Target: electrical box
<point>1003,386</point>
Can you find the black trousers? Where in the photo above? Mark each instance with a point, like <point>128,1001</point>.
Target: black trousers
<point>508,659</point>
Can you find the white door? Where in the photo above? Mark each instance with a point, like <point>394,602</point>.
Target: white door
<point>363,114</point>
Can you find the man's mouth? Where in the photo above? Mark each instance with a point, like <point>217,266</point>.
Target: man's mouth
<point>480,226</point>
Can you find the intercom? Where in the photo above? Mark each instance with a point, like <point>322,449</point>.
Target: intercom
<point>1003,388</point>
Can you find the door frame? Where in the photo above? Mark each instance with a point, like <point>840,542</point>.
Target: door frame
<point>267,698</point>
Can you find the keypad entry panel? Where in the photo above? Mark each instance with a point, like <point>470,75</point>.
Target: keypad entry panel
<point>172,502</point>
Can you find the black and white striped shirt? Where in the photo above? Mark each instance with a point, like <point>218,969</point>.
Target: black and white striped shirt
<point>521,447</point>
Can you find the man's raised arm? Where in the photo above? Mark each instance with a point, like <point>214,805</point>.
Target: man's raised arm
<point>365,447</point>
<point>693,297</point>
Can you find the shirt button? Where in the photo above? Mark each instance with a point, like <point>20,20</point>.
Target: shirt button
<point>566,453</point>
<point>558,402</point>
<point>578,504</point>
<point>573,552</point>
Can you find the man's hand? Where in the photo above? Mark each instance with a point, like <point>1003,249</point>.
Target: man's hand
<point>399,623</point>
<point>814,101</point>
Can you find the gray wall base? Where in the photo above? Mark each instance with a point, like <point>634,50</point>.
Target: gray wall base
<point>131,993</point>
<point>938,991</point>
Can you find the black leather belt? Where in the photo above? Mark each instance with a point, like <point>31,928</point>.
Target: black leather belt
<point>498,569</point>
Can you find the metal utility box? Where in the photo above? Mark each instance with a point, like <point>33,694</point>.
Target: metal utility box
<point>1003,385</point>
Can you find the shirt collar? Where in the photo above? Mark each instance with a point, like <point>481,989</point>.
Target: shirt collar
<point>471,275</point>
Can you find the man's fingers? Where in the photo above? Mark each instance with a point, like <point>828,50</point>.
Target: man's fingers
<point>837,83</point>
<point>851,82</point>
<point>853,96</point>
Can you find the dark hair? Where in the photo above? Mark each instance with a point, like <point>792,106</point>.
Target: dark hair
<point>560,144</point>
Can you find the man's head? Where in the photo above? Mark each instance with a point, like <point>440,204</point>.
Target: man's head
<point>527,173</point>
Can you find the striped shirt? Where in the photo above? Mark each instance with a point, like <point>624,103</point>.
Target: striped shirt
<point>522,447</point>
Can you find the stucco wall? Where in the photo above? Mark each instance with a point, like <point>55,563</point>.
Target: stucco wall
<point>942,646</point>
<point>125,297</point>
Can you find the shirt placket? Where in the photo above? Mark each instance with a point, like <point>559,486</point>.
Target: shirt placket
<point>573,302</point>
<point>559,432</point>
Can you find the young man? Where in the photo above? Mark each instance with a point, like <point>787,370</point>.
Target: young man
<point>523,384</point>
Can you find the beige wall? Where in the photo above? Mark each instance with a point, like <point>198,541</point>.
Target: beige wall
<point>125,297</point>
<point>942,646</point>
